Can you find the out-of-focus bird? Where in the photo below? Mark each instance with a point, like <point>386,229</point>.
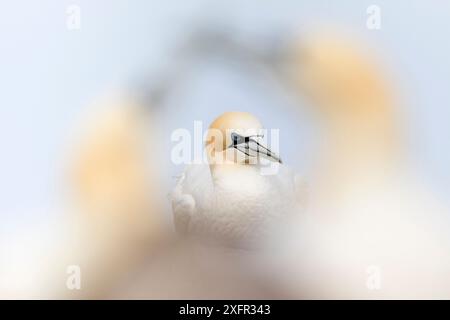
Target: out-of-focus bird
<point>231,198</point>
<point>113,221</point>
<point>116,190</point>
<point>372,230</point>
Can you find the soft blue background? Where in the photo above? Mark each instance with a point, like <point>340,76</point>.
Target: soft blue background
<point>49,76</point>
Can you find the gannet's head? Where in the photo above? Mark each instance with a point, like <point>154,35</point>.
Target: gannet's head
<point>235,138</point>
<point>354,100</point>
<point>340,75</point>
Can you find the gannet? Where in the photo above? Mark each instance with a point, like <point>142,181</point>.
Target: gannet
<point>230,198</point>
<point>373,230</point>
<point>113,221</point>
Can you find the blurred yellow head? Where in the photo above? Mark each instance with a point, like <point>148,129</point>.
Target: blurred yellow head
<point>114,182</point>
<point>352,95</point>
<point>340,76</point>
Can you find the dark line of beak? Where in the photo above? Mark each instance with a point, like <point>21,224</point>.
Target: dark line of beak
<point>269,153</point>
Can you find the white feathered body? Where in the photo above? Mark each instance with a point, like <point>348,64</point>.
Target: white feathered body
<point>235,202</point>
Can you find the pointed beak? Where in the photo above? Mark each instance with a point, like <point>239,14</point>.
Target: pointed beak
<point>266,153</point>
<point>253,148</point>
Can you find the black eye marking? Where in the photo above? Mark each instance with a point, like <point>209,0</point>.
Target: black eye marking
<point>237,139</point>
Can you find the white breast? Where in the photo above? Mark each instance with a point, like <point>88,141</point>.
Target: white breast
<point>241,204</point>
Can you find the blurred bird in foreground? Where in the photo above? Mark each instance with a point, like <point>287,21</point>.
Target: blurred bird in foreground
<point>117,190</point>
<point>372,229</point>
<point>231,198</point>
<point>113,219</point>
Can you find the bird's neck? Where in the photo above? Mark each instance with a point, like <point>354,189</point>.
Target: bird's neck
<point>231,170</point>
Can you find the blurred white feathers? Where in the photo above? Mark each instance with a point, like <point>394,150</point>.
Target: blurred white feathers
<point>369,217</point>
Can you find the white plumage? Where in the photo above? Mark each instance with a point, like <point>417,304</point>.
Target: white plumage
<point>238,204</point>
